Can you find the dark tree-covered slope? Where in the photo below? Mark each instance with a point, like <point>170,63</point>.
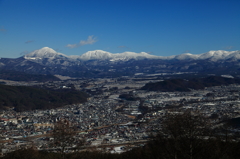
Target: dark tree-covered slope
<point>27,98</point>
<point>21,76</point>
<point>185,85</point>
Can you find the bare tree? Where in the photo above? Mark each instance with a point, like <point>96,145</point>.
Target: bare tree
<point>184,134</point>
<point>64,135</point>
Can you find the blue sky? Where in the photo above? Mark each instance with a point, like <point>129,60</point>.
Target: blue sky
<point>160,27</point>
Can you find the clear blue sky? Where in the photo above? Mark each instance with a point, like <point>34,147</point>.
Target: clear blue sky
<point>160,27</point>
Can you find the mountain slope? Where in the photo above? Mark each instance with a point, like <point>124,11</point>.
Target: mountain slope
<point>21,76</point>
<point>100,63</point>
<point>48,53</point>
<point>181,85</point>
<point>28,98</point>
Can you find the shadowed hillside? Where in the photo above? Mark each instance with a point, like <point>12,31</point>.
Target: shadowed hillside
<point>182,85</point>
<point>21,76</point>
<point>27,98</point>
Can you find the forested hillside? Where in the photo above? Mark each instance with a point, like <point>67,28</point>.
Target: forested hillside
<point>24,98</point>
<point>182,85</point>
<point>21,76</point>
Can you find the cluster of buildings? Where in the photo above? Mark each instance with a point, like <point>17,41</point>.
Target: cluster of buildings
<point>107,119</point>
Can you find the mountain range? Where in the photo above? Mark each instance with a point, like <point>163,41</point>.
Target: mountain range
<point>47,52</point>
<point>99,63</point>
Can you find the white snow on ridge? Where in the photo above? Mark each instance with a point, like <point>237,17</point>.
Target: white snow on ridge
<point>47,52</point>
<point>103,55</point>
<point>215,55</point>
<point>234,54</point>
<point>97,54</point>
<point>211,55</point>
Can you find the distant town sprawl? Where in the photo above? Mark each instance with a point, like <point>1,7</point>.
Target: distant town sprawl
<point>107,120</point>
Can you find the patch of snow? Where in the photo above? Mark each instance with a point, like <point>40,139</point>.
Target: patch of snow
<point>227,76</point>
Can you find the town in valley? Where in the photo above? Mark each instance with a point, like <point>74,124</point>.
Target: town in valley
<point>117,116</point>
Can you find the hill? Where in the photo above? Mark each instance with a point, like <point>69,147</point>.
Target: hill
<point>24,98</point>
<point>182,85</point>
<point>21,76</point>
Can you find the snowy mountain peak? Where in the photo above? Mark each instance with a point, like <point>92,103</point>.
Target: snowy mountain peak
<point>44,52</point>
<point>215,55</point>
<point>96,54</point>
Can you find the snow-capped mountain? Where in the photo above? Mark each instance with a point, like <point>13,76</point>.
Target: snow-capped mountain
<point>44,52</point>
<point>47,52</point>
<point>103,55</point>
<point>96,55</point>
<point>216,55</point>
<point>99,63</point>
<point>211,55</point>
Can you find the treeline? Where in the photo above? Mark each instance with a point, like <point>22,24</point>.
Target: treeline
<point>21,76</point>
<point>182,85</point>
<point>129,97</point>
<point>181,136</point>
<point>24,98</point>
